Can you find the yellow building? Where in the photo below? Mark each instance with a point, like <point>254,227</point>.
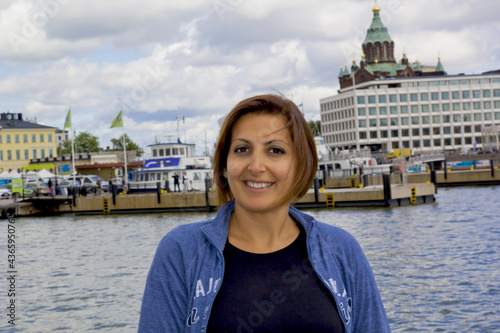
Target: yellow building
<point>22,141</point>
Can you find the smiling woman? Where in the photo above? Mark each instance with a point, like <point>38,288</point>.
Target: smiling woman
<point>261,265</point>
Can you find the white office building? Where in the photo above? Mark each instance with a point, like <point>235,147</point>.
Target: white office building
<point>422,113</point>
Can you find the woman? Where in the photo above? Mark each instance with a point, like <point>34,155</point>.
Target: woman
<point>261,265</point>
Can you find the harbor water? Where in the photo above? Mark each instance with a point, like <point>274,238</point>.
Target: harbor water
<point>437,265</point>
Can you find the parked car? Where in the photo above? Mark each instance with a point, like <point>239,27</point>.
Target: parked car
<point>5,193</point>
<point>90,182</point>
<point>39,188</point>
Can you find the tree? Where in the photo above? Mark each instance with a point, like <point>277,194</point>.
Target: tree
<point>129,144</point>
<point>84,142</point>
<point>315,127</point>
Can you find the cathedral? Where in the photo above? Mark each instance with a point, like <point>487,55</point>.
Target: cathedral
<point>378,62</point>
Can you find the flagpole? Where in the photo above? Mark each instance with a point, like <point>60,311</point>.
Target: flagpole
<point>125,154</point>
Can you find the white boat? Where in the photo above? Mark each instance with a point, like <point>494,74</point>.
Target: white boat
<point>346,163</point>
<point>167,160</point>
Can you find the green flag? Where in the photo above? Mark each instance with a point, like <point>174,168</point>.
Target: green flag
<point>118,122</point>
<point>67,123</point>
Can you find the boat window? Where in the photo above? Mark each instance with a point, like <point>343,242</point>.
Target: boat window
<point>175,151</point>
<point>162,152</point>
<point>154,153</point>
<point>181,151</point>
<point>146,177</point>
<point>152,177</point>
<point>165,176</point>
<point>142,177</point>
<point>197,176</point>
<point>337,166</point>
<point>158,176</point>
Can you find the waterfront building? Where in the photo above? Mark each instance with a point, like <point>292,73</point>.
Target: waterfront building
<point>21,141</point>
<point>384,105</point>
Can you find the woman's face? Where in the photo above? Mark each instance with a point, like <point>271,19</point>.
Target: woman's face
<point>261,163</point>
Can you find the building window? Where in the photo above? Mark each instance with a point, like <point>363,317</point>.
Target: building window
<point>361,99</point>
<point>394,110</point>
<point>414,109</point>
<point>425,120</point>
<point>362,123</point>
<point>487,116</point>
<point>404,121</point>
<point>33,139</point>
<point>372,111</point>
<point>447,142</point>
<point>414,120</point>
<point>455,95</point>
<point>0,139</point>
<point>404,109</point>
<point>416,144</point>
<point>467,117</point>
<point>446,118</point>
<point>446,107</point>
<point>16,138</point>
<point>445,95</point>
<point>497,104</point>
<point>457,118</point>
<point>26,154</point>
<point>362,135</point>
<point>415,132</point>
<point>41,138</point>
<point>457,129</point>
<point>8,138</point>
<point>446,130</point>
<point>477,117</point>
<point>456,106</point>
<point>487,105</point>
<point>405,132</point>
<point>437,142</point>
<point>496,92</point>
<point>466,106</point>
<point>361,111</point>
<point>477,105</point>
<point>427,143</point>
<point>406,144</point>
<point>424,96</point>
<point>18,154</point>
<point>50,137</point>
<point>394,133</point>
<point>373,122</point>
<point>425,108</point>
<point>373,134</point>
<point>393,99</point>
<point>25,138</point>
<point>436,119</point>
<point>394,121</point>
<point>383,122</point>
<point>42,153</point>
<point>403,98</point>
<point>384,134</point>
<point>465,94</point>
<point>476,94</point>
<point>458,141</point>
<point>383,110</point>
<point>51,152</point>
<point>413,97</point>
<point>467,129</point>
<point>371,99</point>
<point>486,93</point>
<point>497,115</point>
<point>436,130</point>
<point>435,107</point>
<point>434,96</point>
<point>382,99</point>
<point>426,131</point>
<point>395,145</point>
<point>468,141</point>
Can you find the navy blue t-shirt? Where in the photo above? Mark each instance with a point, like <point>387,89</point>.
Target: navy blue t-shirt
<point>273,292</point>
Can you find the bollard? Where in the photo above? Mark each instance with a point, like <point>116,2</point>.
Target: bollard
<point>434,180</point>
<point>316,188</point>
<point>492,165</point>
<point>207,189</point>
<point>387,187</point>
<point>158,191</point>
<point>365,180</point>
<point>445,170</point>
<point>73,194</point>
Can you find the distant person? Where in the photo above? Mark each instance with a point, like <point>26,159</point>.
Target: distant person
<point>57,188</point>
<point>98,186</point>
<point>177,187</point>
<point>185,181</point>
<point>49,184</point>
<point>261,265</point>
<point>124,185</point>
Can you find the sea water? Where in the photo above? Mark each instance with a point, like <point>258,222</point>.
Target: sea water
<point>437,265</point>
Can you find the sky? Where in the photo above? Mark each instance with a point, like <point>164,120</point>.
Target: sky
<point>157,59</point>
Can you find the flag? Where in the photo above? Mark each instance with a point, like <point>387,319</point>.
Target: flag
<point>118,122</point>
<point>67,122</point>
<point>183,120</point>
<point>300,105</point>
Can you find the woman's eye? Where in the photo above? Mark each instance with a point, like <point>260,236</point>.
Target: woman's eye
<point>240,149</point>
<point>276,150</point>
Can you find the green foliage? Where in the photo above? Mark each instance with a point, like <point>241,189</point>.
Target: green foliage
<point>84,142</point>
<point>129,144</point>
<point>315,127</point>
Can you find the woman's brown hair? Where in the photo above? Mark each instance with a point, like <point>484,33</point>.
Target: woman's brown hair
<point>302,138</point>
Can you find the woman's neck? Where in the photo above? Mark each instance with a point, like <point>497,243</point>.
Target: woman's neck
<point>262,232</point>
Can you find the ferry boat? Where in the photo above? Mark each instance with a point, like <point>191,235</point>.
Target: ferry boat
<point>169,159</point>
<point>345,163</point>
